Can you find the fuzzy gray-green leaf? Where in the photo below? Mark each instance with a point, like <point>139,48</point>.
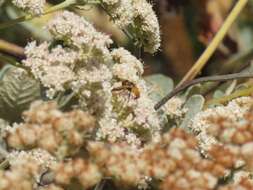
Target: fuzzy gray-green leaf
<point>3,125</point>
<point>17,91</point>
<point>160,84</point>
<point>194,105</point>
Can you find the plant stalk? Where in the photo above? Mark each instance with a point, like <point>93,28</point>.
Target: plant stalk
<point>200,80</point>
<point>55,8</point>
<point>236,94</point>
<point>8,60</point>
<point>11,48</point>
<point>202,61</point>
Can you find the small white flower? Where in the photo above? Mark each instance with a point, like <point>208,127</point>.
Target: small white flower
<point>139,16</point>
<point>34,7</point>
<point>121,11</point>
<point>77,32</point>
<point>127,66</point>
<point>145,17</point>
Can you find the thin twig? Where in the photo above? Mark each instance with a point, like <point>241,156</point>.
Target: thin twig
<point>200,80</point>
<point>11,48</point>
<point>236,64</point>
<point>201,62</point>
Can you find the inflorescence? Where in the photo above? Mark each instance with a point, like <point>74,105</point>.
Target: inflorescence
<point>112,131</point>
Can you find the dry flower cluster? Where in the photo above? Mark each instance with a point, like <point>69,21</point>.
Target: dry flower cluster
<point>112,132</point>
<point>175,160</point>
<point>45,127</point>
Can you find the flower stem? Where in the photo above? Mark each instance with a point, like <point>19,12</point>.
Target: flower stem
<point>60,6</point>
<point>200,80</point>
<point>239,93</point>
<point>55,8</point>
<point>201,62</point>
<point>11,61</point>
<point>11,48</point>
<point>15,21</point>
<point>126,32</point>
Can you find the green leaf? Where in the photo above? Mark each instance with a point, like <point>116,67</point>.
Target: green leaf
<point>66,101</point>
<point>17,91</point>
<point>194,105</point>
<point>4,70</point>
<point>160,84</point>
<point>218,94</point>
<point>195,89</point>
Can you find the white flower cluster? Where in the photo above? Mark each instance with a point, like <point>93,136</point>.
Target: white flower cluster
<point>121,11</point>
<point>41,156</point>
<point>139,16</point>
<point>34,7</point>
<point>203,122</point>
<point>128,67</point>
<point>77,32</point>
<point>51,67</point>
<point>132,107</point>
<point>145,18</point>
<point>107,83</point>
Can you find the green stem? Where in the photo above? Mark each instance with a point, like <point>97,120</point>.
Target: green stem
<point>126,32</point>
<point>13,22</point>
<point>60,6</point>
<point>236,94</point>
<point>9,60</point>
<point>11,48</point>
<point>55,8</point>
<point>200,80</point>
